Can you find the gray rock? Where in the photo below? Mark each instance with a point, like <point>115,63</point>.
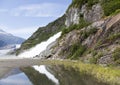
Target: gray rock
<point>93,14</point>
<point>72,16</point>
<point>90,15</point>
<point>107,59</point>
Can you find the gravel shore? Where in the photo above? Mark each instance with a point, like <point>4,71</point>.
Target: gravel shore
<point>7,64</point>
<point>13,63</point>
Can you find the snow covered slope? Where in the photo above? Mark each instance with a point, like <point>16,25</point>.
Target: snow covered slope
<point>39,48</point>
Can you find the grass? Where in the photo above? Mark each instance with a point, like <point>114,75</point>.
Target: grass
<point>95,56</point>
<point>116,12</point>
<point>109,6</point>
<point>94,53</point>
<point>78,53</point>
<point>113,37</point>
<point>85,34</point>
<point>81,25</point>
<point>116,55</point>
<point>76,50</point>
<point>69,29</point>
<point>79,3</point>
<point>109,75</point>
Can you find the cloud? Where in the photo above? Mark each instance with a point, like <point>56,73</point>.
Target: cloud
<point>24,32</point>
<point>32,10</point>
<point>39,10</point>
<point>3,27</point>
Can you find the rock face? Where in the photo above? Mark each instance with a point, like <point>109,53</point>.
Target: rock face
<point>108,59</point>
<point>98,41</point>
<point>72,16</point>
<point>63,45</point>
<point>91,15</point>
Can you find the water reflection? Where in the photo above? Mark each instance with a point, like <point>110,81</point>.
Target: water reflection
<point>47,75</point>
<point>36,77</point>
<point>19,79</point>
<point>43,70</point>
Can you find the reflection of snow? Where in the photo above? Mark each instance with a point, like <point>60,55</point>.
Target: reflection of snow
<point>19,79</point>
<point>39,48</point>
<point>42,69</point>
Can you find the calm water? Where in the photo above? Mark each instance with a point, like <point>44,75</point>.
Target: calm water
<point>45,75</point>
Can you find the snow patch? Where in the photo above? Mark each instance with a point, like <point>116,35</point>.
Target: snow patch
<point>40,47</point>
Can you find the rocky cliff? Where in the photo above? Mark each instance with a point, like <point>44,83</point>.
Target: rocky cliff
<point>90,32</point>
<point>96,42</point>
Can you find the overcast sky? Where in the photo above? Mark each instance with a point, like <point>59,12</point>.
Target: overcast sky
<point>23,17</point>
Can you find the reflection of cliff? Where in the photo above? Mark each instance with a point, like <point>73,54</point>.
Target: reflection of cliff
<point>70,76</point>
<point>13,72</point>
<point>35,77</point>
<point>65,75</point>
<point>4,71</point>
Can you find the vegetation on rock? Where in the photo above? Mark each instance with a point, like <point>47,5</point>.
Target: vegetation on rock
<point>113,37</point>
<point>79,3</point>
<point>116,55</point>
<point>109,6</point>
<point>81,25</point>
<point>76,51</point>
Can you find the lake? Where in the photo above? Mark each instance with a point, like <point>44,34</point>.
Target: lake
<point>45,75</point>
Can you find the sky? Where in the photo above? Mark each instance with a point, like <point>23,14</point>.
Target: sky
<point>23,17</point>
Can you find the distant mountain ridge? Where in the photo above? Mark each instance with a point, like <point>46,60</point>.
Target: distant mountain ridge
<point>9,39</point>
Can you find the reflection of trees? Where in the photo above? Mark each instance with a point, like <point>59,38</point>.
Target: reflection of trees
<point>35,77</point>
<point>70,76</point>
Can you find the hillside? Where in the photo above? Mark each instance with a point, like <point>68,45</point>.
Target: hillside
<point>43,33</point>
<point>90,32</point>
<point>8,39</point>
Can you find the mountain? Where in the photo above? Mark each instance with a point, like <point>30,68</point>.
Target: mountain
<point>43,33</point>
<point>90,32</point>
<point>7,39</point>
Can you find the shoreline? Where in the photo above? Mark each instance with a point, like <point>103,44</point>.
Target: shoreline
<point>7,65</point>
<point>106,74</point>
<point>19,62</point>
